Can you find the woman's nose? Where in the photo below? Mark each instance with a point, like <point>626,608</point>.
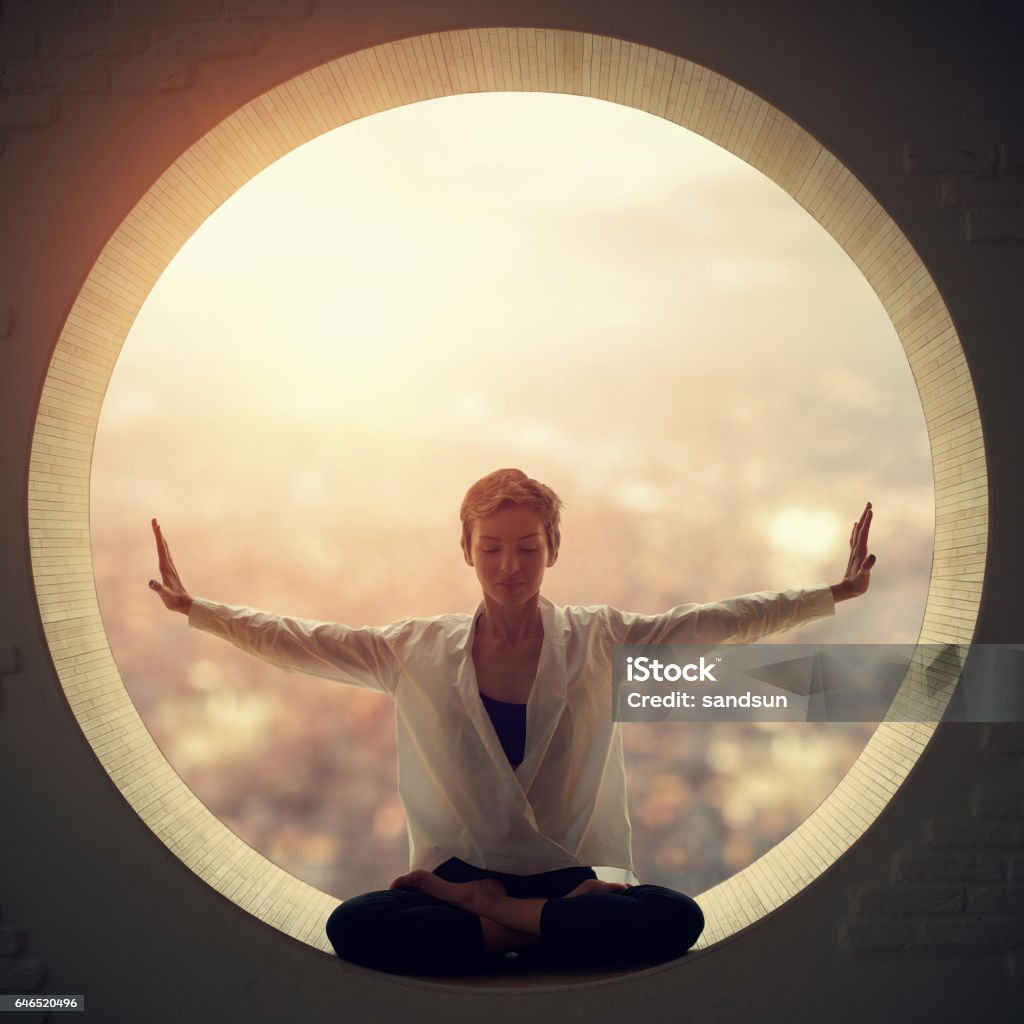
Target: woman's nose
<point>509,562</point>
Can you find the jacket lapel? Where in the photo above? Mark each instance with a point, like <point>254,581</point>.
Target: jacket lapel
<point>547,697</point>
<point>469,694</point>
<point>543,710</point>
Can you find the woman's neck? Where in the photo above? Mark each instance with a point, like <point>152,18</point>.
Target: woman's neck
<point>508,627</point>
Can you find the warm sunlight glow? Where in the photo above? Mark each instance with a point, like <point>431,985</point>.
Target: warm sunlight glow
<point>607,300</point>
<point>806,533</point>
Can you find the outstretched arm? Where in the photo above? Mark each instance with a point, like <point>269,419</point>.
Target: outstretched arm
<point>360,657</point>
<point>751,616</point>
<point>858,569</point>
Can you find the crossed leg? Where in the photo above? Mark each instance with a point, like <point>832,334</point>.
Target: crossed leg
<point>425,924</point>
<point>407,931</point>
<point>506,923</point>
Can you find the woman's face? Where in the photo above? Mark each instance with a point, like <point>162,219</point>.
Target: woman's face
<point>509,551</point>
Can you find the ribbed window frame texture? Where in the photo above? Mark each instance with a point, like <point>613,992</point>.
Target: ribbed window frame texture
<point>422,68</point>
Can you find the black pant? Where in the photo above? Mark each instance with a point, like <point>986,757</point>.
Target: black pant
<point>406,931</point>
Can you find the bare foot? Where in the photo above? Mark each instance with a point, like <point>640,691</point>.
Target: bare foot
<point>472,896</point>
<point>597,885</point>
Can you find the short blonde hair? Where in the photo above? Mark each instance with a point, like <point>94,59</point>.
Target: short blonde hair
<point>506,487</point>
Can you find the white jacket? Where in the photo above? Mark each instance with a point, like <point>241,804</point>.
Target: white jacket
<point>565,805</point>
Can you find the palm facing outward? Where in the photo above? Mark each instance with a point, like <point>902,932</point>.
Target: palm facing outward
<point>172,591</point>
<point>858,569</point>
<point>854,583</point>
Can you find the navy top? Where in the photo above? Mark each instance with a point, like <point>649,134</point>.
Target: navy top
<point>509,721</point>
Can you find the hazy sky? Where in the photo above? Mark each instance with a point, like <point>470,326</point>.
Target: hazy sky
<point>600,297</point>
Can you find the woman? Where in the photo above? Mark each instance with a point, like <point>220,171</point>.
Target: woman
<point>510,767</point>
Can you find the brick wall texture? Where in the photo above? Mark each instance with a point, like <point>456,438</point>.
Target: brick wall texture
<point>961,892</point>
<point>54,48</point>
<point>20,971</point>
<point>985,179</point>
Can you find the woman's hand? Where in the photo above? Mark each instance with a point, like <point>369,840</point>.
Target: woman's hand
<point>172,591</point>
<point>858,569</point>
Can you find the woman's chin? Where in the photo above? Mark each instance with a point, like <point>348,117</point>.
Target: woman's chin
<point>511,596</point>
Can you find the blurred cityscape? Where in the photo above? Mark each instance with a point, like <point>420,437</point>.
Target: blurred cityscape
<point>622,309</point>
<point>303,769</point>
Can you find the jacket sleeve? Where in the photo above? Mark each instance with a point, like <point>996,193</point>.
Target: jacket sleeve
<point>360,657</point>
<point>737,620</point>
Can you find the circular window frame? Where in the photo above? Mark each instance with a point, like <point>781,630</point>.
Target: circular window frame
<point>407,71</point>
